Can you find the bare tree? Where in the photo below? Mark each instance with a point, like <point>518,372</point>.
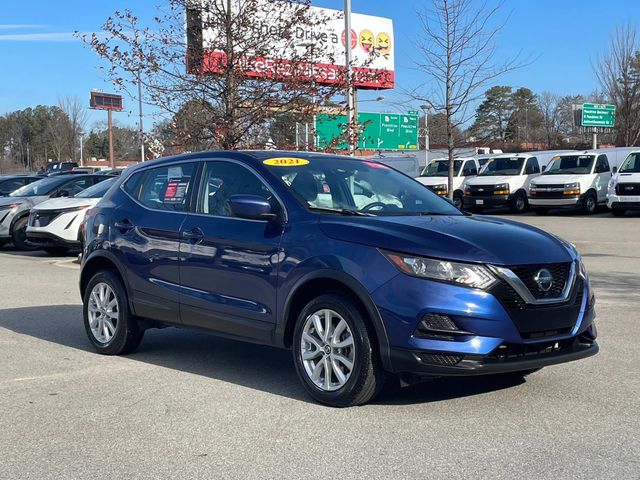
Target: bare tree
<point>76,113</point>
<point>229,40</point>
<point>618,72</point>
<point>458,57</point>
<point>553,120</point>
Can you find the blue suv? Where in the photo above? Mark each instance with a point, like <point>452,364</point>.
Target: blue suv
<point>360,270</point>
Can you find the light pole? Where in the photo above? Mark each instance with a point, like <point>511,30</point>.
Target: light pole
<point>141,127</point>
<point>81,133</point>
<point>351,120</point>
<point>425,109</point>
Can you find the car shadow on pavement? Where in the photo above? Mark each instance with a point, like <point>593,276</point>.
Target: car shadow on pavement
<point>254,366</point>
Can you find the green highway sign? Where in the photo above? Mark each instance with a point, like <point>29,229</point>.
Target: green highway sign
<point>598,115</point>
<point>379,131</point>
<point>412,112</point>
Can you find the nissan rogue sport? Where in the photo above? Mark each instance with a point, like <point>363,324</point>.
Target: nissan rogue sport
<point>360,270</point>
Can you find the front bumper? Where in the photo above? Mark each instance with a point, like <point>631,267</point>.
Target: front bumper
<point>486,202</point>
<point>573,201</point>
<point>528,358</point>
<point>617,202</point>
<point>46,239</point>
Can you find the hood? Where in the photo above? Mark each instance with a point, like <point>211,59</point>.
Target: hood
<point>627,177</point>
<point>22,201</point>
<point>493,180</point>
<point>433,180</point>
<point>475,239</point>
<point>559,179</point>
<point>62,203</point>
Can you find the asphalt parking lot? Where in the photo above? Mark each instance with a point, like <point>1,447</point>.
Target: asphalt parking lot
<point>190,405</point>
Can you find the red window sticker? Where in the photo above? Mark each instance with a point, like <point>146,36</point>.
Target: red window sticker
<point>377,165</point>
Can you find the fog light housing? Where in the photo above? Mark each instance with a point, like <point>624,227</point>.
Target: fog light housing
<point>438,326</point>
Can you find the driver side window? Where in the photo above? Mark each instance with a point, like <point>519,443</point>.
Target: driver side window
<point>602,165</point>
<point>532,166</point>
<point>469,169</point>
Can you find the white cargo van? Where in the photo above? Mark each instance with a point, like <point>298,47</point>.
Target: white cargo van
<point>436,176</point>
<point>502,182</point>
<point>577,179</point>
<point>624,187</point>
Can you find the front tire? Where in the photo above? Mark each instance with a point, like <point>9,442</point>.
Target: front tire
<point>590,204</point>
<point>519,203</point>
<point>457,201</point>
<point>19,236</point>
<point>334,353</point>
<point>110,326</point>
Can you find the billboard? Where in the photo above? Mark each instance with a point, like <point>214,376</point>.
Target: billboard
<point>379,131</point>
<point>371,38</point>
<point>106,101</point>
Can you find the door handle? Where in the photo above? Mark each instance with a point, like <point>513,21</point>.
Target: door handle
<point>194,236</point>
<point>124,225</point>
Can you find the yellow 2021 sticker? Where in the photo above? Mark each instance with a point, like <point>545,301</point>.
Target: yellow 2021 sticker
<point>286,162</point>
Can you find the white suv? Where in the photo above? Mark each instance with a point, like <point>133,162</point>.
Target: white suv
<point>572,180</point>
<point>435,176</point>
<point>624,187</point>
<point>502,182</point>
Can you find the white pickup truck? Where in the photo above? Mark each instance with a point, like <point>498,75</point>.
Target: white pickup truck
<point>623,192</point>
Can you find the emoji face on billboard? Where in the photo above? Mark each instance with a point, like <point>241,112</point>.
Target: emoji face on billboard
<point>366,40</point>
<point>354,39</point>
<point>383,43</point>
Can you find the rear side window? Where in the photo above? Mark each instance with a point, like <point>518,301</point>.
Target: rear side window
<point>167,187</point>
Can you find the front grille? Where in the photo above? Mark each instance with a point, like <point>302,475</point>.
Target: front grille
<point>551,195</point>
<point>481,190</point>
<point>559,272</point>
<point>539,321</point>
<point>623,189</point>
<point>516,351</point>
<point>439,359</point>
<point>550,186</point>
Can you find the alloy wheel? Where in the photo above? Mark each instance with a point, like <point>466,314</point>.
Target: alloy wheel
<point>103,312</point>
<point>327,350</point>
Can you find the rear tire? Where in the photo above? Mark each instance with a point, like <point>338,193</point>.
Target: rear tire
<point>55,251</point>
<point>105,303</point>
<point>618,213</point>
<point>352,386</point>
<point>590,204</point>
<point>19,236</point>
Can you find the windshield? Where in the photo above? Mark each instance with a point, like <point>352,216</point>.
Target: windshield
<point>503,166</point>
<point>41,187</point>
<point>631,164</point>
<point>348,186</point>
<point>570,164</point>
<point>97,191</point>
<point>440,168</point>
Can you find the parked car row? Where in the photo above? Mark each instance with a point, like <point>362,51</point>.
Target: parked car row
<point>542,181</point>
<point>47,213</point>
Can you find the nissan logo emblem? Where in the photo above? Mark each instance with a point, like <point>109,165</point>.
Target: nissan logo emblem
<point>544,279</point>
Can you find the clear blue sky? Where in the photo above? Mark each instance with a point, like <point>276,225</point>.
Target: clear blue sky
<point>42,61</point>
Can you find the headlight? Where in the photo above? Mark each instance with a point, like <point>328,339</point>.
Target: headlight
<point>572,186</point>
<point>582,270</point>
<point>464,274</point>
<point>502,186</point>
<point>612,184</point>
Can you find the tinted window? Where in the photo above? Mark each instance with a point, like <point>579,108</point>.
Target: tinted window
<point>75,186</point>
<point>503,166</point>
<point>570,164</point>
<point>532,166</point>
<point>631,164</point>
<point>602,164</point>
<point>440,168</point>
<point>167,188</point>
<point>97,191</point>
<point>221,180</point>
<point>132,183</point>
<point>469,169</point>
<point>9,186</point>
<point>41,187</point>
<point>340,184</point>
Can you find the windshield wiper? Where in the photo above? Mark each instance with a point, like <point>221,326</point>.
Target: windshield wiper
<point>342,211</point>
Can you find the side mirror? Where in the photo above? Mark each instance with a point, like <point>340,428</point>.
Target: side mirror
<point>544,168</point>
<point>615,170</point>
<point>251,207</point>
